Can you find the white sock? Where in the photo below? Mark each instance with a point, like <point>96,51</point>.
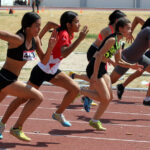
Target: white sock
<point>95,120</point>
<point>147,98</point>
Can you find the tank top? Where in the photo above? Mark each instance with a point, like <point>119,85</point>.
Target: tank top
<point>53,64</point>
<point>21,53</point>
<point>113,49</point>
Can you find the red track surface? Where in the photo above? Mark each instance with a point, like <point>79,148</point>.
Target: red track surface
<point>127,122</point>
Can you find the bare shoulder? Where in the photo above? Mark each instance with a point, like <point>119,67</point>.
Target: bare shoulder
<point>105,32</point>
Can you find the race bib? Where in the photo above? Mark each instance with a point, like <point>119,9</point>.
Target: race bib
<point>29,55</point>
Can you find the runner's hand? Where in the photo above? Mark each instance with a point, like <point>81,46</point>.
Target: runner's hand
<point>137,67</point>
<point>83,33</point>
<point>53,39</point>
<point>130,38</point>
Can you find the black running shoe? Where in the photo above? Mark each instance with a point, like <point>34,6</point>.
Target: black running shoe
<point>71,74</point>
<point>120,90</point>
<point>146,103</point>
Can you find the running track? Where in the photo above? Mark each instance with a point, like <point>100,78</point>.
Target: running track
<point>127,123</point>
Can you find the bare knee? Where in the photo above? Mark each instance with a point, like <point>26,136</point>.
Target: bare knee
<point>38,97</point>
<point>74,89</point>
<point>105,102</point>
<point>21,101</point>
<point>106,99</point>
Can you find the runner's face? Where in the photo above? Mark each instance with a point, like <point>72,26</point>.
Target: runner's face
<point>75,25</point>
<point>126,30</point>
<point>35,28</point>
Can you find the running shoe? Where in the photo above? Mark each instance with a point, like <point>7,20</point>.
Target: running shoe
<point>93,103</point>
<point>146,101</point>
<point>86,103</point>
<point>19,134</point>
<point>61,119</point>
<point>120,90</point>
<point>2,128</point>
<point>97,125</point>
<point>71,74</point>
<point>1,136</point>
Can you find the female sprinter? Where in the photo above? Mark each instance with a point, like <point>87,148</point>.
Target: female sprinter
<point>100,82</point>
<point>133,54</point>
<point>69,23</point>
<point>113,17</point>
<point>121,87</point>
<point>21,48</point>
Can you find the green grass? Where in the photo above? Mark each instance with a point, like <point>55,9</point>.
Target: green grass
<point>89,36</point>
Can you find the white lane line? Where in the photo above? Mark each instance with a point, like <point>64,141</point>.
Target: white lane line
<point>89,137</point>
<point>115,97</point>
<point>84,122</point>
<point>81,110</point>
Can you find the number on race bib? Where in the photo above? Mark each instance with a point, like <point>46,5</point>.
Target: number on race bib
<point>29,55</point>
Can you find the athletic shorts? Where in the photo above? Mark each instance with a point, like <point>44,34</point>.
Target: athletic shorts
<point>147,53</point>
<point>91,51</point>
<point>38,76</point>
<point>90,69</point>
<point>145,61</point>
<point>6,78</point>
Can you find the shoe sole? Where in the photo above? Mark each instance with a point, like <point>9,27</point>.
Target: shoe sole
<point>146,104</point>
<point>19,138</point>
<point>98,128</point>
<point>60,122</point>
<point>94,104</point>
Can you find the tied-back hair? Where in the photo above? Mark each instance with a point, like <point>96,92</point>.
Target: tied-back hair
<point>115,15</point>
<point>146,24</point>
<point>121,23</point>
<point>28,19</point>
<point>66,17</point>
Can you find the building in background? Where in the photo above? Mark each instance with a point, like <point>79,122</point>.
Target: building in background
<point>142,4</point>
<point>14,2</point>
<point>6,2</point>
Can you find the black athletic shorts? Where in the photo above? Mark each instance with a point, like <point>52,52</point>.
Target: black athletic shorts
<point>6,78</point>
<point>90,68</point>
<point>38,76</point>
<point>91,51</point>
<point>147,53</point>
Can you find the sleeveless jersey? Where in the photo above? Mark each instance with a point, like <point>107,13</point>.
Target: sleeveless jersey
<point>21,53</point>
<point>113,49</point>
<point>53,64</point>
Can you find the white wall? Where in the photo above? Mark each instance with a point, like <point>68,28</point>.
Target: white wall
<point>145,4</point>
<point>6,2</point>
<point>61,3</point>
<point>110,3</point>
<point>98,3</point>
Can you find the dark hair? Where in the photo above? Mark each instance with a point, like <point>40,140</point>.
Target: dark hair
<point>66,17</point>
<point>28,19</point>
<point>121,23</point>
<point>147,23</point>
<point>115,15</point>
